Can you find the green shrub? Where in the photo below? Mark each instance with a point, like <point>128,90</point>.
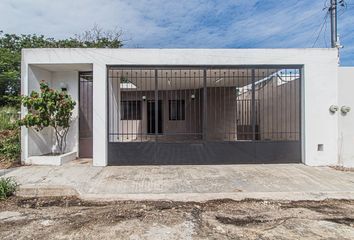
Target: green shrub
<point>49,108</point>
<point>10,147</point>
<point>8,118</point>
<point>8,187</point>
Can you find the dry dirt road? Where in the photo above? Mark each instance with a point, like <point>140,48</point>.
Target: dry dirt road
<point>69,218</point>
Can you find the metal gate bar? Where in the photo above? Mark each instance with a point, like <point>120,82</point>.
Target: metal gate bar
<point>203,115</point>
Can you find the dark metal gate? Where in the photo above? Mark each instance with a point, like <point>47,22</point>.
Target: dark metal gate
<point>203,115</point>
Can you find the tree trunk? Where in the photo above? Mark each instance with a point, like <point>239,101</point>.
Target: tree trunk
<point>61,138</point>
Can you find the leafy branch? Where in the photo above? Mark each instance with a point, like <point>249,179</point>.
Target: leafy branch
<point>49,108</point>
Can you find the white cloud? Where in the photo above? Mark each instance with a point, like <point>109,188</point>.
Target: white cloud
<point>183,23</point>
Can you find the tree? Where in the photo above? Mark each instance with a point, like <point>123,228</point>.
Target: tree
<point>12,44</point>
<point>49,108</point>
<point>9,74</point>
<point>96,37</point>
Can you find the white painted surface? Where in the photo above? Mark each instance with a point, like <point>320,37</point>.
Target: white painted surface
<point>40,143</point>
<point>71,79</point>
<point>99,120</point>
<point>52,160</point>
<point>320,86</point>
<point>346,121</point>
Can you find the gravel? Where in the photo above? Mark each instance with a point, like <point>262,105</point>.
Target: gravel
<point>71,218</point>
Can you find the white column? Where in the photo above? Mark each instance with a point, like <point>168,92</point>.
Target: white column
<point>320,91</point>
<point>114,113</point>
<point>100,143</point>
<point>24,130</point>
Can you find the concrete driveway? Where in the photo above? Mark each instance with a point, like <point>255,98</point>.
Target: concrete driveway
<point>185,183</point>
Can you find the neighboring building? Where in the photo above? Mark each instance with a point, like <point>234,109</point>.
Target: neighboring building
<point>197,106</point>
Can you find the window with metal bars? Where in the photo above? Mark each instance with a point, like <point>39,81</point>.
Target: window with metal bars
<point>208,103</point>
<point>176,110</point>
<point>130,110</point>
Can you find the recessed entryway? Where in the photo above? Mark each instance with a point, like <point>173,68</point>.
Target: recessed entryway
<point>85,114</point>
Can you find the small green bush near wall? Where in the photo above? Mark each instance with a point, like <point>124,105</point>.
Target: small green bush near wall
<point>8,187</point>
<point>8,118</point>
<point>10,147</point>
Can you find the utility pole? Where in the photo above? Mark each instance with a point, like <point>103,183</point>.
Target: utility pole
<point>333,11</point>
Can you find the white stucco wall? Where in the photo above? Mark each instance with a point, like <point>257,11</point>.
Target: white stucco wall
<point>39,143</point>
<point>320,85</point>
<point>71,79</point>
<point>99,120</point>
<point>346,121</point>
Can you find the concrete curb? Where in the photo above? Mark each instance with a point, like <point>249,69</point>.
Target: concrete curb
<point>203,197</point>
<point>46,191</point>
<point>61,191</point>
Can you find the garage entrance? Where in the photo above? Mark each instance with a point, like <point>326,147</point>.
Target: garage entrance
<point>203,115</point>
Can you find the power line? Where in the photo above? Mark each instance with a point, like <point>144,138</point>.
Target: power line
<point>324,32</point>
<point>344,6</point>
<point>297,24</point>
<point>322,25</point>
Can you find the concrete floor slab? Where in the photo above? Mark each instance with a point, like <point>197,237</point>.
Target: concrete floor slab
<point>185,183</point>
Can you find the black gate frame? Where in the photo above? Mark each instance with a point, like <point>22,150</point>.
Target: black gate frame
<point>208,152</point>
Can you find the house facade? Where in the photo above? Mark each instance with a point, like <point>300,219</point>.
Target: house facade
<point>197,106</point>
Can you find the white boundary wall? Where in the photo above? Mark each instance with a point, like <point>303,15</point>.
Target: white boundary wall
<point>319,88</point>
<point>346,121</point>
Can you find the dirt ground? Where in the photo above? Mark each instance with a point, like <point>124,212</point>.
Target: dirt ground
<point>70,218</point>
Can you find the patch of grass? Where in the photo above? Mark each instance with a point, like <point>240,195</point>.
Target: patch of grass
<point>8,118</point>
<point>8,187</point>
<point>10,147</point>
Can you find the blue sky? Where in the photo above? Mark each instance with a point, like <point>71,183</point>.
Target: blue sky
<point>187,23</point>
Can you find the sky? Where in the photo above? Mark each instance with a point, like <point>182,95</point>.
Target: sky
<point>187,23</point>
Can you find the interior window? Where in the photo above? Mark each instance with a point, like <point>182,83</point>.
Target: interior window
<point>130,110</point>
<point>177,110</point>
